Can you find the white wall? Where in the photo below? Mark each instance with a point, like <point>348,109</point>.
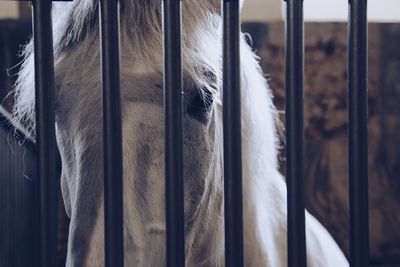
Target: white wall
<point>262,10</point>
<point>8,10</point>
<point>336,10</point>
<point>321,10</point>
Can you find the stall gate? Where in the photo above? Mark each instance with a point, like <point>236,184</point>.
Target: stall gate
<point>109,25</point>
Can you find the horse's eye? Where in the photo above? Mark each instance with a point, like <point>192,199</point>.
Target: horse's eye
<point>199,105</point>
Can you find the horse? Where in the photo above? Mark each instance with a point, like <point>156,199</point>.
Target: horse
<point>78,113</point>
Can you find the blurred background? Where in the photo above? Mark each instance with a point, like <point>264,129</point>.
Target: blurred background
<point>325,120</point>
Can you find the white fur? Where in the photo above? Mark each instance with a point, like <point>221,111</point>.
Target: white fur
<point>79,132</point>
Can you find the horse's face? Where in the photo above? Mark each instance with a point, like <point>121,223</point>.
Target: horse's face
<point>79,130</point>
<point>79,134</point>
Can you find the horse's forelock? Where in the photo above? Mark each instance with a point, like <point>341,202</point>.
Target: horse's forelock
<point>73,22</point>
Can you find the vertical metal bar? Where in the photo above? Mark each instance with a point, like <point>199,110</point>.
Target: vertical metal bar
<point>45,131</point>
<point>175,243</point>
<point>112,133</point>
<point>294,70</point>
<point>358,133</point>
<point>232,135</point>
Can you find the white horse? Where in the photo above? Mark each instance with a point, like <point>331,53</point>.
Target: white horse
<point>79,136</point>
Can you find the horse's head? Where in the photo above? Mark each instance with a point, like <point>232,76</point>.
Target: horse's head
<point>79,129</point>
<point>79,136</point>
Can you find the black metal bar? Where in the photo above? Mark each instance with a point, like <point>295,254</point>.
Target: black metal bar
<point>358,133</point>
<point>294,70</point>
<point>112,133</point>
<point>175,243</point>
<point>45,132</point>
<point>232,135</point>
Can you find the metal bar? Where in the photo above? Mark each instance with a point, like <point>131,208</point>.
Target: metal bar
<point>358,133</point>
<point>175,237</point>
<point>112,133</point>
<point>232,135</point>
<point>45,132</point>
<point>294,70</point>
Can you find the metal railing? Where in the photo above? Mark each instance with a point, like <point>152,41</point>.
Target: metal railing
<point>109,28</point>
